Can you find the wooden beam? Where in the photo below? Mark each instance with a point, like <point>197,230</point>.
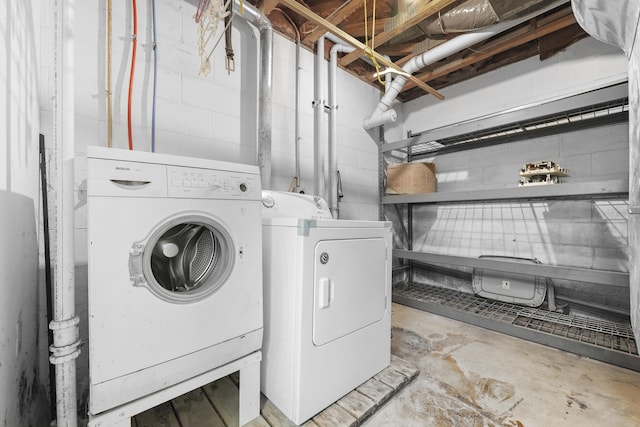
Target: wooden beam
<point>309,15</point>
<point>425,11</point>
<point>266,6</point>
<point>553,43</point>
<point>399,49</point>
<point>508,42</point>
<point>336,19</point>
<point>356,29</point>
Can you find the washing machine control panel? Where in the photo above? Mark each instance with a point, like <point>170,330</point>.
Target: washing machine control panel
<point>212,184</point>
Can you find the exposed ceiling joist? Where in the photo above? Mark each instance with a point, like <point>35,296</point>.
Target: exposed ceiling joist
<point>309,15</point>
<point>542,37</point>
<point>424,12</point>
<point>356,29</point>
<point>267,5</point>
<point>338,17</point>
<point>511,40</point>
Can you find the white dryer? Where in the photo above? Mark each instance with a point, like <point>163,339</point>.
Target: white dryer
<point>327,303</point>
<point>175,283</point>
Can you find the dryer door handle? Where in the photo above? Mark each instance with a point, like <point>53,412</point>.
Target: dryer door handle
<point>325,292</point>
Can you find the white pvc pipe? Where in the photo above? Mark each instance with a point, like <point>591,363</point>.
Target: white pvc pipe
<point>439,52</point>
<point>380,118</point>
<point>297,116</point>
<point>65,348</point>
<point>333,128</point>
<point>318,109</point>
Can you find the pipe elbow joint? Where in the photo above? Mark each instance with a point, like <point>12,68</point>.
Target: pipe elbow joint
<point>379,119</point>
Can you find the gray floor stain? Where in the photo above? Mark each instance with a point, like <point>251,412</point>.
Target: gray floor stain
<point>451,396</point>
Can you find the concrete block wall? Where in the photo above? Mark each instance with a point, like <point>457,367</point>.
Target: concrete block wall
<point>598,154</point>
<point>579,233</point>
<point>23,323</point>
<point>212,116</point>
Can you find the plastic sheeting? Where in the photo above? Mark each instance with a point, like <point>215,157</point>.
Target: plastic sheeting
<point>616,22</point>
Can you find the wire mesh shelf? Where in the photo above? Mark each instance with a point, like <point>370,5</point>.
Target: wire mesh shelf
<point>562,120</point>
<point>606,334</point>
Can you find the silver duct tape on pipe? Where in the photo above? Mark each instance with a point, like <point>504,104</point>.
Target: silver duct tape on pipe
<point>333,128</point>
<point>255,17</point>
<point>617,23</point>
<point>443,50</point>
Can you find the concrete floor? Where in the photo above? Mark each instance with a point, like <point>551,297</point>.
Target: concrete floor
<point>471,376</point>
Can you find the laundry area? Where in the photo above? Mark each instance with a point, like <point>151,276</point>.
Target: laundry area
<point>324,213</point>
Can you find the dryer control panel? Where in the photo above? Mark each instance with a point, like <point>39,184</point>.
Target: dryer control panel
<point>212,184</point>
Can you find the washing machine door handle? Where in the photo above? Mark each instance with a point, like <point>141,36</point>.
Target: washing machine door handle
<point>136,273</point>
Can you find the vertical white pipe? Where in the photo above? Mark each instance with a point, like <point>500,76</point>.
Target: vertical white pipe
<point>65,347</point>
<point>255,17</point>
<point>318,109</point>
<point>333,128</point>
<point>297,115</point>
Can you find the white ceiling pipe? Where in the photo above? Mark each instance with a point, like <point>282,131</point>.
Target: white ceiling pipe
<point>66,344</point>
<point>333,128</point>
<point>439,52</point>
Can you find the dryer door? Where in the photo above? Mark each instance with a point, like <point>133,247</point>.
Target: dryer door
<point>183,260</point>
<point>350,286</point>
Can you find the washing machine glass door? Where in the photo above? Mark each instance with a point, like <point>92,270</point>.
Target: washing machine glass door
<point>183,260</point>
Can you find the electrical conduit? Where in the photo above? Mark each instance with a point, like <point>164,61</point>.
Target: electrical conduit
<point>66,344</point>
<point>381,115</point>
<point>134,41</point>
<point>155,78</point>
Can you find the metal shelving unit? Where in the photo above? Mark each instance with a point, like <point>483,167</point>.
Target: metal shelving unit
<point>579,190</point>
<point>596,108</point>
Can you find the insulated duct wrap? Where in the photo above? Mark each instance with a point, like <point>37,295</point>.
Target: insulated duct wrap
<point>616,22</point>
<point>470,15</point>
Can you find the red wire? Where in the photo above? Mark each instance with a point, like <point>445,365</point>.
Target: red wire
<point>133,68</point>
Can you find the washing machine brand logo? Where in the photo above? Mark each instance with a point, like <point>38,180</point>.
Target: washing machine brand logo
<point>122,168</point>
<point>324,258</point>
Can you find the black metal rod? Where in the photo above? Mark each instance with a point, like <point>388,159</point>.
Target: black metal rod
<point>47,268</point>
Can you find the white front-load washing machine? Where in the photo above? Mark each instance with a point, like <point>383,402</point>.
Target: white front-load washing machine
<point>175,280</point>
<point>327,303</point>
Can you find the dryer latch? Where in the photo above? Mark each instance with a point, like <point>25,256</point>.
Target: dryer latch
<point>135,264</point>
